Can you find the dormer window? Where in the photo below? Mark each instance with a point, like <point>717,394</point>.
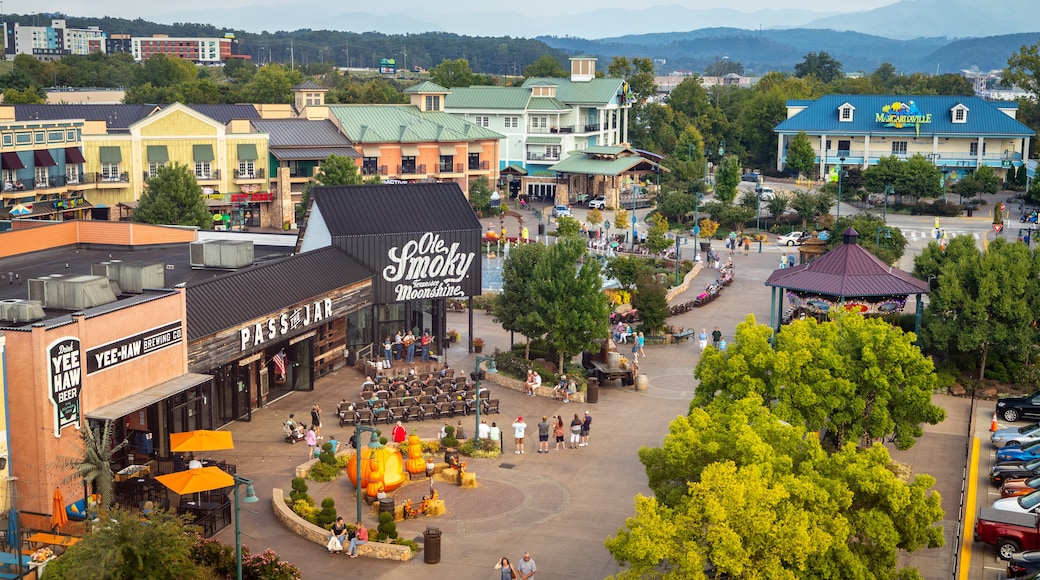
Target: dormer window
<point>959,114</point>
<point>845,113</point>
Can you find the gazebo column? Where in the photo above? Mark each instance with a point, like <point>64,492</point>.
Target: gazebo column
<point>774,314</point>
<point>918,314</point>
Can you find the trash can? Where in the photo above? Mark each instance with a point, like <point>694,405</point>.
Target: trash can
<point>592,392</point>
<point>970,211</point>
<point>541,229</point>
<point>450,455</point>
<point>432,545</point>
<point>386,504</point>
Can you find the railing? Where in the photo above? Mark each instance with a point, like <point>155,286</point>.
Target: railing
<point>592,127</point>
<point>208,176</point>
<point>19,185</point>
<point>373,170</point>
<point>411,169</point>
<point>562,130</point>
<point>542,157</point>
<point>450,168</point>
<point>122,177</point>
<point>255,174</point>
<point>479,165</point>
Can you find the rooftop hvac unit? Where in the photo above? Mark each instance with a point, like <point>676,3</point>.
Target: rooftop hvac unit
<point>222,254</point>
<point>132,277</point>
<point>21,310</point>
<point>72,293</point>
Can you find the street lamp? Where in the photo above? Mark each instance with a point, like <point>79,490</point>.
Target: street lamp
<point>249,498</point>
<point>877,236</point>
<point>889,190</point>
<point>476,377</point>
<point>841,169</point>
<point>758,209</point>
<point>677,238</point>
<point>357,456</point>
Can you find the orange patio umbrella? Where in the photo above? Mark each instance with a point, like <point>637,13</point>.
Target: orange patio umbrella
<point>58,516</point>
<point>196,480</point>
<point>201,440</point>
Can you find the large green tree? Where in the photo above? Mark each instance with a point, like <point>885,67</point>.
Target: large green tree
<point>547,65</point>
<point>1023,69</point>
<point>727,176</point>
<point>801,157</point>
<point>651,302</point>
<point>272,83</point>
<point>984,301</point>
<point>877,237</point>
<point>821,65</point>
<point>516,307</point>
<point>852,376</point>
<point>338,170</point>
<point>915,176</point>
<point>639,72</point>
<point>173,197</point>
<point>567,293</point>
<point>756,497</point>
<point>626,269</point>
<point>452,73</point>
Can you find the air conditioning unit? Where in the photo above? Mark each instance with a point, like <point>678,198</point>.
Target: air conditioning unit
<point>21,310</point>
<point>221,254</point>
<point>132,277</point>
<point>73,292</point>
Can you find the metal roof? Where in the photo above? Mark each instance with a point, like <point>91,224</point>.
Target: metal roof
<point>546,104</point>
<point>983,117</point>
<point>427,87</point>
<point>227,113</point>
<point>848,271</point>
<point>287,153</point>
<point>365,210</point>
<point>405,124</point>
<point>590,166</point>
<point>512,98</point>
<point>228,300</point>
<point>309,86</point>
<point>301,133</point>
<point>544,140</point>
<point>116,117</point>
<point>593,92</point>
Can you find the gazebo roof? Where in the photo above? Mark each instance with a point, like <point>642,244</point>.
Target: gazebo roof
<point>848,271</point>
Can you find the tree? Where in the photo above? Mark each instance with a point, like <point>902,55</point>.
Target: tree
<point>916,176</point>
<point>734,216</point>
<point>1023,69</point>
<point>778,204</point>
<point>755,497</point>
<point>452,73</point>
<point>676,206</point>
<point>338,170</point>
<point>650,300</point>
<point>166,71</point>
<point>128,545</point>
<point>515,307</point>
<point>722,67</point>
<point>94,464</point>
<point>173,197</point>
<point>272,83</point>
<point>29,96</point>
<point>626,269</point>
<point>639,72</point>
<point>821,65</point>
<point>982,300</point>
<point>569,298</point>
<point>801,157</point>
<point>806,205</point>
<point>877,237</point>
<point>727,176</point>
<point>852,376</point>
<point>656,237</point>
<point>984,180</point>
<point>621,219</point>
<point>546,66</point>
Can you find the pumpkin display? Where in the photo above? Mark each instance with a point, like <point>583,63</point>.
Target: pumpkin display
<point>415,463</point>
<point>382,469</point>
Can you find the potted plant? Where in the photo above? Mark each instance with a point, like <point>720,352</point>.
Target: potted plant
<point>478,345</point>
<point>453,335</point>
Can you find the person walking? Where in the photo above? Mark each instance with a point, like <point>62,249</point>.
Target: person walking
<point>586,425</point>
<point>311,438</point>
<point>316,419</point>
<point>716,336</point>
<point>525,568</point>
<point>519,427</point>
<point>558,432</point>
<point>543,435</point>
<point>640,341</point>
<point>508,571</point>
<point>790,260</point>
<point>575,431</point>
<point>702,339</point>
<point>783,260</point>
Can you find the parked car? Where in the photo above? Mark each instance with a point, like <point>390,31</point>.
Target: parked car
<point>823,235</point>
<point>792,239</point>
<point>1024,564</point>
<point>1010,532</point>
<point>561,211</point>
<point>754,176</point>
<point>1004,471</point>
<point>1016,435</point>
<point>1021,453</point>
<point>1022,503</point>
<point>598,203</point>
<point>764,192</point>
<point>1013,487</point>
<point>1015,408</point>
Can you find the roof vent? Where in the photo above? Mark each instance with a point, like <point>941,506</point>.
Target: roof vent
<point>221,254</point>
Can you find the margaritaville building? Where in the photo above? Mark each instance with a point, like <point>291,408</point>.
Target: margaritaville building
<point>956,133</point>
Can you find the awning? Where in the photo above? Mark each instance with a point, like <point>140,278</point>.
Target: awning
<point>247,152</point>
<point>43,158</point>
<point>162,391</point>
<point>111,154</point>
<point>11,160</point>
<point>74,155</point>
<point>409,150</point>
<point>448,150</point>
<point>476,148</point>
<point>202,152</point>
<point>371,152</point>
<point>158,154</point>
<point>544,140</point>
<point>313,153</point>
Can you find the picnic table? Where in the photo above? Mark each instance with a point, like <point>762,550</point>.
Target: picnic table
<point>46,539</point>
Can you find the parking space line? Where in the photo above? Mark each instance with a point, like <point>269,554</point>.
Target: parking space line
<point>969,509</point>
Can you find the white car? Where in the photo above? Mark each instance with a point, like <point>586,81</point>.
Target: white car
<point>561,211</point>
<point>791,239</point>
<point>1020,503</point>
<point>598,203</point>
<point>764,192</point>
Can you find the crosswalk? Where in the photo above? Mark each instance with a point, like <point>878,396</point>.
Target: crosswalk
<point>925,236</point>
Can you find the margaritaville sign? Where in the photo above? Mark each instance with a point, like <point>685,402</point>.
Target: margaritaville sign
<point>900,114</point>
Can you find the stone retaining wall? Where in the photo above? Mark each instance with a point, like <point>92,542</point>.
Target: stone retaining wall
<point>542,391</point>
<point>319,535</point>
<point>685,285</point>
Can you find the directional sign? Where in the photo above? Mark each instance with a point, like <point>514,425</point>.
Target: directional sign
<point>696,230</point>
<point>997,228</point>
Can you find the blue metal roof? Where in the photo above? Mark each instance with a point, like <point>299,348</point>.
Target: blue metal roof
<point>983,118</point>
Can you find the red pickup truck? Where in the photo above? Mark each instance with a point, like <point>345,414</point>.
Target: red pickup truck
<point>1009,531</point>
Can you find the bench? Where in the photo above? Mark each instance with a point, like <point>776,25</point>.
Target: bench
<point>683,336</point>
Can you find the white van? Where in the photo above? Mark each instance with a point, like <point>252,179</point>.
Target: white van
<point>764,192</point>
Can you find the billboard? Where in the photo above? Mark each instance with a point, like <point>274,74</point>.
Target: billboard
<point>387,66</point>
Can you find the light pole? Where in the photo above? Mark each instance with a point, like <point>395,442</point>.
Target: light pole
<point>696,221</point>
<point>634,219</point>
<point>476,377</point>
<point>877,236</point>
<point>357,456</point>
<point>249,498</point>
<point>758,209</point>
<point>841,169</point>
<point>677,238</point>
<point>889,190</point>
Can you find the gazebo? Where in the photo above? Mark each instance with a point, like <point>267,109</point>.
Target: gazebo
<point>848,277</point>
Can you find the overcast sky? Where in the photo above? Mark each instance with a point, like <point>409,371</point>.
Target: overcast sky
<point>418,8</point>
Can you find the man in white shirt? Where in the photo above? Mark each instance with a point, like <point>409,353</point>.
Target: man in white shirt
<point>483,431</point>
<point>535,383</point>
<point>519,427</point>
<point>525,568</point>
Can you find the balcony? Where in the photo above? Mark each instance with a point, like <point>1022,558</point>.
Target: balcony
<point>213,175</point>
<point>479,165</point>
<point>106,180</point>
<point>16,187</point>
<point>411,170</point>
<point>565,129</point>
<point>450,168</point>
<point>543,157</point>
<point>246,175</point>
<point>592,128</point>
<point>373,170</point>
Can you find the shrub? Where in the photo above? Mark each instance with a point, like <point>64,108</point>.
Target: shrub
<point>299,491</point>
<point>221,560</point>
<point>387,528</point>
<point>306,510</point>
<point>327,516</point>
<point>449,439</point>
<point>484,448</point>
<point>414,547</point>
<point>324,472</point>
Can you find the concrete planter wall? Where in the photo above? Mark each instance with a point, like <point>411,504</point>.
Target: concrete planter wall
<point>542,391</point>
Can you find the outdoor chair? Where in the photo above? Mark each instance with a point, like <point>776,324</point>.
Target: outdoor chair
<point>414,413</point>
<point>459,407</point>
<point>364,417</point>
<point>382,415</point>
<point>492,406</point>
<point>398,412</point>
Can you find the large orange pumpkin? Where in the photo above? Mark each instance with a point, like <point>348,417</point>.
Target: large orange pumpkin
<point>382,469</point>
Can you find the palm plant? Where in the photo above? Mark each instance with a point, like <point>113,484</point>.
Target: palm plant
<point>94,466</point>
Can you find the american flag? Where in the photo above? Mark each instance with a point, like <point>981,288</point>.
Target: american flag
<point>279,363</point>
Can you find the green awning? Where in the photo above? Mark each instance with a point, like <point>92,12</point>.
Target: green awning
<point>202,152</point>
<point>111,155</point>
<point>158,154</point>
<point>544,140</point>
<point>247,152</point>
